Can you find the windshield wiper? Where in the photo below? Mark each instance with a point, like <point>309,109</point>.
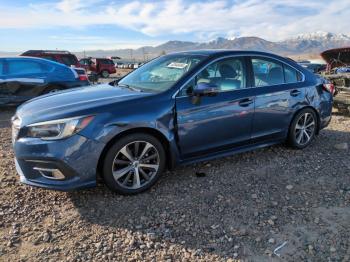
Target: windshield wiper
<point>129,87</point>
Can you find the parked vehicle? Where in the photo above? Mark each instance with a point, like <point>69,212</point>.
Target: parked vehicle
<point>101,66</point>
<point>63,57</point>
<point>338,73</point>
<point>22,78</point>
<point>314,67</point>
<point>177,109</point>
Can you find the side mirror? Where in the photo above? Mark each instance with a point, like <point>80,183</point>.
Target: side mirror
<point>205,89</point>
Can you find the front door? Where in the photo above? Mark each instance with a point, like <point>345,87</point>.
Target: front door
<point>213,123</point>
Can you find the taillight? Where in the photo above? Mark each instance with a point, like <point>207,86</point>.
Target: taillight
<point>329,87</point>
<point>83,77</point>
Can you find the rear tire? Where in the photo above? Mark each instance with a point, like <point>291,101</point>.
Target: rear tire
<point>105,74</point>
<point>302,129</point>
<point>134,163</point>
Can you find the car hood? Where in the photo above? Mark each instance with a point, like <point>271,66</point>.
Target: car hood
<point>68,102</point>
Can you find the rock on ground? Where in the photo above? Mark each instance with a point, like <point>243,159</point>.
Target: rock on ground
<point>243,208</point>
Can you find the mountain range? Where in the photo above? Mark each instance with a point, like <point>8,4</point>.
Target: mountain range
<point>311,44</point>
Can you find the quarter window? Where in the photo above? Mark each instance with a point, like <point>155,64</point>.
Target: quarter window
<point>291,75</point>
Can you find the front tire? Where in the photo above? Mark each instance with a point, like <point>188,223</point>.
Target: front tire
<point>134,163</point>
<point>302,129</point>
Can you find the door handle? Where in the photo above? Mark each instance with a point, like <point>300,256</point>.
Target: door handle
<point>295,92</point>
<point>245,102</point>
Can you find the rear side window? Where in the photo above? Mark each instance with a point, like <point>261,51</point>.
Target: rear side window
<point>69,60</point>
<point>49,57</point>
<point>16,67</point>
<point>267,72</point>
<point>106,61</point>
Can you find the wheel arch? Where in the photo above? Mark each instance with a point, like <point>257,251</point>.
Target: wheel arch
<point>146,130</point>
<point>52,85</point>
<point>318,119</point>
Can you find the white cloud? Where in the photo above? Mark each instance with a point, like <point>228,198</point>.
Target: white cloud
<point>268,19</point>
<point>87,42</point>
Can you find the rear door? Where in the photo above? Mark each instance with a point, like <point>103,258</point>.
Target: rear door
<point>278,93</point>
<point>24,78</point>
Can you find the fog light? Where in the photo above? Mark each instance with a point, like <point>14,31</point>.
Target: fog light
<point>50,173</point>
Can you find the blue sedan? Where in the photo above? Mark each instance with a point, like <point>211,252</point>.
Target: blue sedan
<point>23,78</point>
<point>177,109</point>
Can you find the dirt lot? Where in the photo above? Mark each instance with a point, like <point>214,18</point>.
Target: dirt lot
<point>243,208</point>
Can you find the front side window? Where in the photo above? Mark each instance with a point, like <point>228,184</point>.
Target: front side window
<point>226,75</point>
<point>16,67</point>
<point>162,73</point>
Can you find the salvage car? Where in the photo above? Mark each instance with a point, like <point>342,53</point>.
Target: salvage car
<point>176,109</point>
<point>23,78</point>
<point>314,67</point>
<point>60,56</point>
<point>338,73</point>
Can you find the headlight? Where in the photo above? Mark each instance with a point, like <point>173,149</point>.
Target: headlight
<point>58,129</point>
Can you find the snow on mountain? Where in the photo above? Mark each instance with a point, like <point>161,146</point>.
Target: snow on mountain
<point>321,36</point>
<point>310,43</point>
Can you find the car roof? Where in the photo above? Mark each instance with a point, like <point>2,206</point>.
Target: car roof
<point>227,52</point>
<point>34,58</point>
<point>219,52</point>
<point>52,52</point>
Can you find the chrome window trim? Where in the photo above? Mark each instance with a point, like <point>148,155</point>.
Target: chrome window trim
<point>240,55</point>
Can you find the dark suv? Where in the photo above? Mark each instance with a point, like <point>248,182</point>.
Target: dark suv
<point>101,66</point>
<point>63,57</point>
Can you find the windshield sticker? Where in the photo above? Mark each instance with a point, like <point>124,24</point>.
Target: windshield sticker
<point>177,65</point>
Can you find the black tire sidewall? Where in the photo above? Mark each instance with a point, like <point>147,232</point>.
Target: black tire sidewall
<point>114,149</point>
<point>291,136</point>
<point>51,89</point>
<point>107,73</point>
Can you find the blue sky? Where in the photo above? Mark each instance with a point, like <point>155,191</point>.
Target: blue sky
<point>98,24</point>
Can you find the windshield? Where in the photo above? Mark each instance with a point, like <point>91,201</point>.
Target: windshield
<point>161,73</point>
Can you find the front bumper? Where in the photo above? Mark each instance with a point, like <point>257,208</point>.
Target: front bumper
<point>74,158</point>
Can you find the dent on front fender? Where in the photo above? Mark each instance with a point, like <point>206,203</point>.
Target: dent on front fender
<point>160,122</point>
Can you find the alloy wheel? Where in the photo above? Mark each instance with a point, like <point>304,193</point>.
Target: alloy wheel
<point>305,128</point>
<point>135,165</point>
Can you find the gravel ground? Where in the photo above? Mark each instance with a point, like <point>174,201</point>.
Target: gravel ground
<point>237,208</point>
